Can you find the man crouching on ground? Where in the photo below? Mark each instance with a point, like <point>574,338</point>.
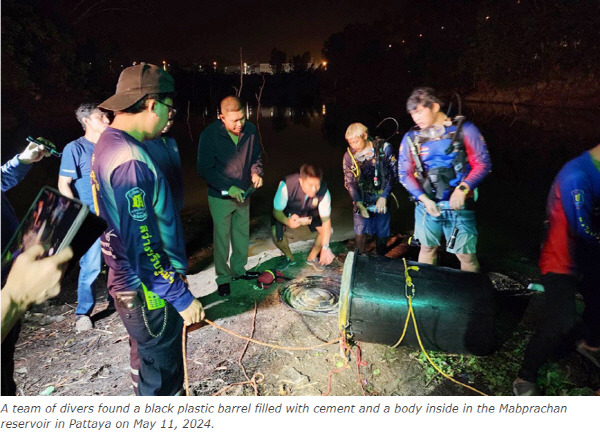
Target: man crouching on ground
<point>303,199</point>
<point>143,245</point>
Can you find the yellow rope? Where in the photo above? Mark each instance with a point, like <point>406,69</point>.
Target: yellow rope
<point>411,314</point>
<point>408,283</point>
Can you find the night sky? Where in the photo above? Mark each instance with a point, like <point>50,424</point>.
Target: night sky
<point>184,30</point>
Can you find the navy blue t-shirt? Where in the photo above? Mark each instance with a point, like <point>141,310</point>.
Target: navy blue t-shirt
<point>75,163</point>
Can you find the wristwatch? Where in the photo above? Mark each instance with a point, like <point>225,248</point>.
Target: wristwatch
<point>325,247</point>
<point>464,188</point>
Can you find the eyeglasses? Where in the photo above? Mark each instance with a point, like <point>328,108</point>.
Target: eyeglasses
<point>172,110</point>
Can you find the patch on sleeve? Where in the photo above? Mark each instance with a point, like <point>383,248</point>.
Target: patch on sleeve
<point>577,198</point>
<point>137,207</point>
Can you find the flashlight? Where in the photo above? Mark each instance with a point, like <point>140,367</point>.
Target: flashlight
<point>50,149</point>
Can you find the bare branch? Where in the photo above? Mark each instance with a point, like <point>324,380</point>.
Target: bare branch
<point>258,97</point>
<point>86,13</point>
<point>239,93</point>
<point>82,17</point>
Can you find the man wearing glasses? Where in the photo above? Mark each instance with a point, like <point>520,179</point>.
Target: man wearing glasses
<point>143,245</point>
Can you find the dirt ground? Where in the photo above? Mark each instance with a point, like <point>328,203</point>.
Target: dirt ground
<point>51,358</point>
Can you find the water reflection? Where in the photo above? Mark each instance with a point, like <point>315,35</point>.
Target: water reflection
<point>527,147</point>
<point>303,115</point>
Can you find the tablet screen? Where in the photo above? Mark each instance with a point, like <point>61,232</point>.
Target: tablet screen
<point>50,222</point>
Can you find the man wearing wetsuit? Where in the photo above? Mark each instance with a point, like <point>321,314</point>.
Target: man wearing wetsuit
<point>569,262</point>
<point>144,245</point>
<point>441,163</point>
<point>369,176</point>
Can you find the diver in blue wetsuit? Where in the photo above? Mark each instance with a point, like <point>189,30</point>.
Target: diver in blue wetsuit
<point>441,163</point>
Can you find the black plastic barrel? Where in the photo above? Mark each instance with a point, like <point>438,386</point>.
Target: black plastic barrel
<point>455,310</point>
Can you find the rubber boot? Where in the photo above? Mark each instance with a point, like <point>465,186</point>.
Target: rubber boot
<point>360,243</point>
<point>381,246</point>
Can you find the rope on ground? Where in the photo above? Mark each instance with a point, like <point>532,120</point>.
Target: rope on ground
<point>411,314</point>
<point>266,344</point>
<point>257,377</point>
<point>260,259</point>
<point>186,383</point>
<point>359,363</point>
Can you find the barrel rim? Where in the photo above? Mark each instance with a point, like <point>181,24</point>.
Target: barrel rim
<point>345,292</point>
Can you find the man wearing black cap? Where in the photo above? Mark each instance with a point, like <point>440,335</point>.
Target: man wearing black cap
<point>143,245</point>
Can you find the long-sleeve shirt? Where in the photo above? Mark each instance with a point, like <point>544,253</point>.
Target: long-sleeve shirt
<point>165,153</point>
<point>573,210</point>
<point>222,163</point>
<point>364,171</point>
<point>144,241</point>
<point>433,155</point>
<point>13,172</point>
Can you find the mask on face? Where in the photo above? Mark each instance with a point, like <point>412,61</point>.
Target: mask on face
<point>365,154</point>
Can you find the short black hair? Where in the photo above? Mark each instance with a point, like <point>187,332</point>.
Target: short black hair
<point>422,96</point>
<point>140,105</point>
<point>307,170</point>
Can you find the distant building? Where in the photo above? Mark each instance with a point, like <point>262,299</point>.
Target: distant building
<point>231,69</point>
<point>264,68</point>
<point>258,68</point>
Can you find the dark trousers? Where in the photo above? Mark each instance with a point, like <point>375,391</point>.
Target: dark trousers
<point>556,333</point>
<point>9,387</point>
<point>156,350</point>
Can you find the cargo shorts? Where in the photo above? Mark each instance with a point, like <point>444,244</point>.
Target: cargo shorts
<point>429,230</point>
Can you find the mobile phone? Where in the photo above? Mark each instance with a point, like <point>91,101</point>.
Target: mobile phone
<point>306,220</point>
<point>52,221</point>
<point>51,150</point>
<point>248,192</point>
